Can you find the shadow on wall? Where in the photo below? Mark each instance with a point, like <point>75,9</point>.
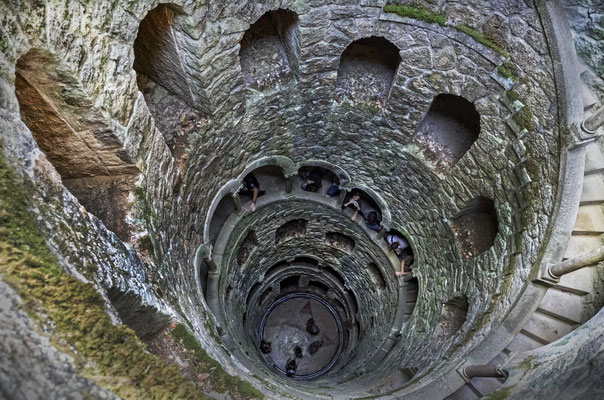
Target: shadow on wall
<point>76,138</point>
<point>367,69</point>
<point>476,227</point>
<point>269,50</point>
<point>449,128</point>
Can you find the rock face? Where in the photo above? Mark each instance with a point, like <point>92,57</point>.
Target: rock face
<point>132,124</point>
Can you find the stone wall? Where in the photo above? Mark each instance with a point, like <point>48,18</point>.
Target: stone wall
<point>303,119</point>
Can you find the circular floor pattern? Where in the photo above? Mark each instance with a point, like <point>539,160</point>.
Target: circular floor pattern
<point>285,325</point>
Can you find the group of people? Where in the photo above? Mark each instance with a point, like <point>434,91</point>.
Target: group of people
<point>362,206</point>
<point>312,182</point>
<point>290,365</point>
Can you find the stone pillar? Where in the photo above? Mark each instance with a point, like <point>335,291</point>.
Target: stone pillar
<point>484,371</point>
<point>289,185</point>
<point>237,203</point>
<point>341,197</point>
<point>594,121</point>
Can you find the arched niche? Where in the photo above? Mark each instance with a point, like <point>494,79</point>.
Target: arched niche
<point>368,204</point>
<point>453,315</point>
<point>269,50</point>
<point>476,227</point>
<point>449,128</point>
<point>76,137</point>
<point>367,69</point>
<point>280,166</point>
<point>294,228</point>
<point>162,78</point>
<point>223,210</point>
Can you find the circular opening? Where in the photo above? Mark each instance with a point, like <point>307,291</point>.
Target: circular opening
<point>304,333</point>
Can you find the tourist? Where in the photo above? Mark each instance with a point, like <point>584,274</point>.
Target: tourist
<point>312,179</point>
<point>290,368</point>
<point>315,346</point>
<point>354,203</point>
<point>372,221</point>
<point>406,262</point>
<point>311,327</point>
<point>396,243</point>
<point>251,187</point>
<point>333,190</point>
<point>265,347</point>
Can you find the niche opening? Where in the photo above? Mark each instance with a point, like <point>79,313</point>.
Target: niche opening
<point>367,69</point>
<point>449,128</point>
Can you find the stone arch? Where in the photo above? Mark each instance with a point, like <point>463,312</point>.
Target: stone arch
<point>338,171</point>
<point>377,199</point>
<point>162,77</point>
<point>77,138</point>
<point>269,50</point>
<point>367,69</point>
<point>449,128</point>
<point>232,186</point>
<point>476,227</point>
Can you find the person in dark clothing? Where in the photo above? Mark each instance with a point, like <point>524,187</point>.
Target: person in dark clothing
<point>290,368</point>
<point>298,352</point>
<point>311,327</point>
<point>265,347</point>
<point>315,346</point>
<point>372,221</point>
<point>312,180</point>
<point>251,187</point>
<point>333,190</point>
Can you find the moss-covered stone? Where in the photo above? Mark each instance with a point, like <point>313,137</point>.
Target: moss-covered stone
<point>416,12</point>
<point>111,355</point>
<point>525,119</point>
<point>480,38</point>
<point>221,380</point>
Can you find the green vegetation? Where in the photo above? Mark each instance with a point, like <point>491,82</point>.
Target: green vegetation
<point>221,380</point>
<point>416,12</point>
<point>507,72</point>
<point>512,95</point>
<point>501,394</point>
<point>480,38</point>
<point>111,355</point>
<point>525,119</point>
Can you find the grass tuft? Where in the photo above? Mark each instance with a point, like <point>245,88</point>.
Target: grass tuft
<point>416,12</point>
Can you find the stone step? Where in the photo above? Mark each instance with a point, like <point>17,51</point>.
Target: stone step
<point>564,306</point>
<point>580,244</point>
<point>579,282</point>
<point>546,329</point>
<point>590,219</point>
<point>466,392</point>
<point>593,189</point>
<point>522,342</point>
<point>594,159</point>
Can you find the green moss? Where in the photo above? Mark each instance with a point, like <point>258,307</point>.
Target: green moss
<point>512,95</point>
<point>527,363</point>
<point>525,119</point>
<point>480,38</point>
<point>416,12</point>
<point>501,394</point>
<point>111,355</point>
<point>221,380</point>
